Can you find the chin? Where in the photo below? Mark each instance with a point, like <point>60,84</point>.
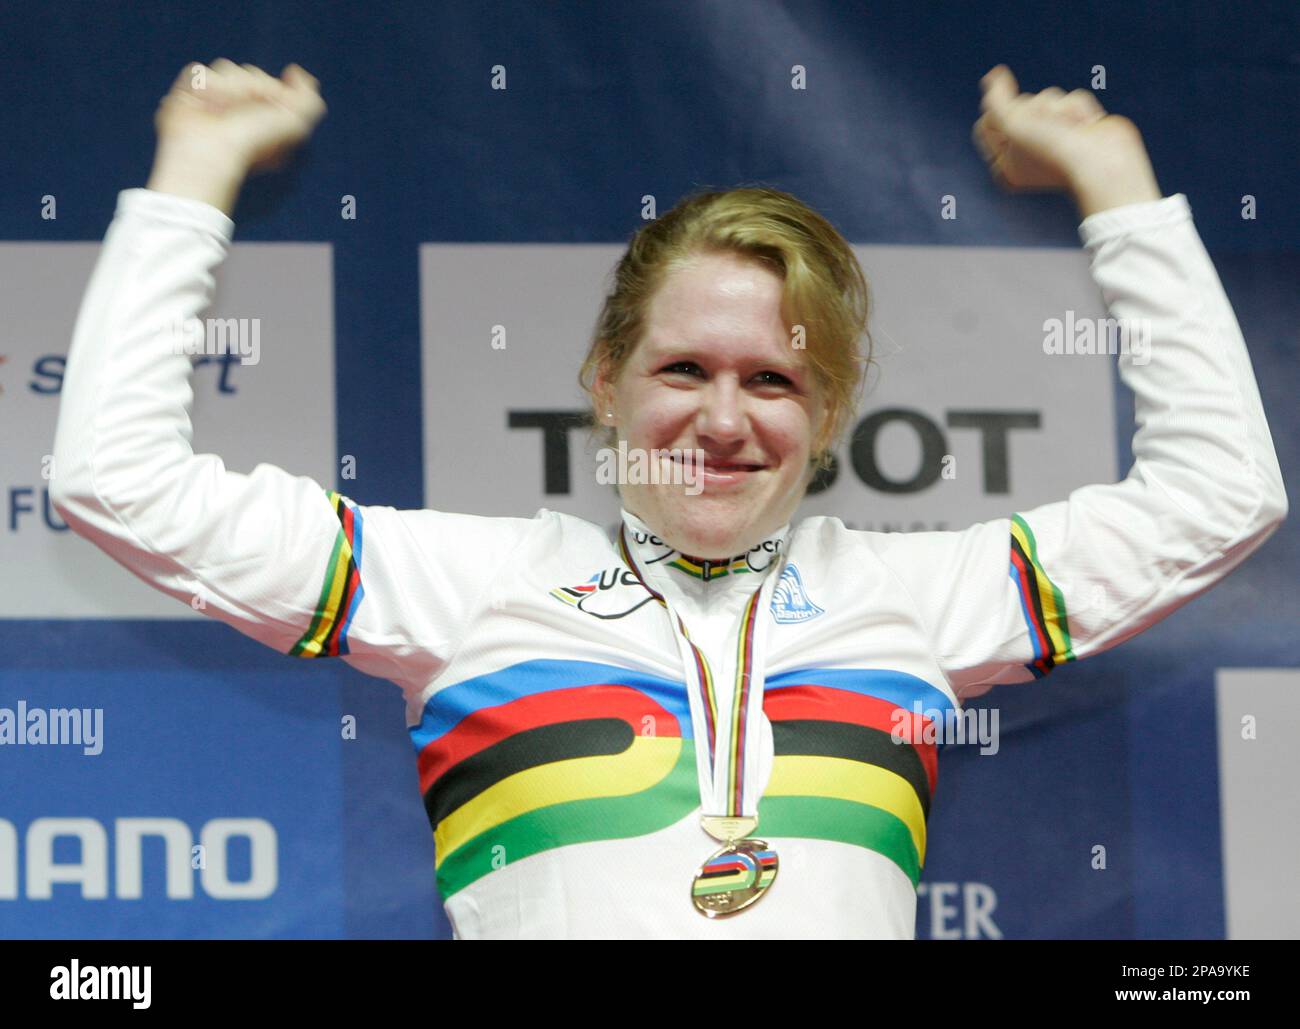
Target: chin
<point>714,531</point>
<point>716,527</point>
<point>713,547</point>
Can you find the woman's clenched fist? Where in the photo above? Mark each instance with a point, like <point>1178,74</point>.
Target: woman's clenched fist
<point>238,114</point>
<point>1045,140</point>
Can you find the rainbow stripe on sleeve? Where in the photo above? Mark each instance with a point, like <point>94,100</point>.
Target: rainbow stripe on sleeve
<point>341,593</point>
<point>1041,602</point>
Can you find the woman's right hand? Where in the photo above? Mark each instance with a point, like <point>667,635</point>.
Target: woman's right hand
<point>238,116</point>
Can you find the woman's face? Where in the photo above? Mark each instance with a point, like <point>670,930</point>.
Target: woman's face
<point>717,371</point>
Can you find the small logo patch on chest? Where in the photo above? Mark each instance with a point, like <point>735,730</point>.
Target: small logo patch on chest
<point>610,593</point>
<point>790,602</point>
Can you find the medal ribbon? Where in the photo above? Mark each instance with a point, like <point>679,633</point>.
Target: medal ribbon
<point>747,692</point>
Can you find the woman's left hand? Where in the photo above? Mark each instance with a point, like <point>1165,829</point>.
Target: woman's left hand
<point>1059,141</point>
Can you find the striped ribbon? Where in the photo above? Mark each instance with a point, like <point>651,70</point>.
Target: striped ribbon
<point>747,692</point>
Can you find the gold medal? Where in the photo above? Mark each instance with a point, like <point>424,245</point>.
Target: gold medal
<point>734,878</point>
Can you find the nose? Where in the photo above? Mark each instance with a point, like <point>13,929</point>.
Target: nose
<point>721,420</point>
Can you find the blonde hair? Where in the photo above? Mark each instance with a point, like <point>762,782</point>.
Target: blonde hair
<point>824,291</point>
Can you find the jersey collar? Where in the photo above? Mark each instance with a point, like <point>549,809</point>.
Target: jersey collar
<point>665,565</point>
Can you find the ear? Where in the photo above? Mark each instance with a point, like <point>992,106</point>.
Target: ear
<point>603,390</point>
<point>821,429</point>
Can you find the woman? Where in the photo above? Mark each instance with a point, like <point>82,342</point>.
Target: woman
<point>690,727</point>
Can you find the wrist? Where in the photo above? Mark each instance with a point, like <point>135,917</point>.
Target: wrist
<point>199,172</point>
<point>1125,179</point>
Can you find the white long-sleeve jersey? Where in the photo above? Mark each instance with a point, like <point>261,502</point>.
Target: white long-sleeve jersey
<point>545,691</point>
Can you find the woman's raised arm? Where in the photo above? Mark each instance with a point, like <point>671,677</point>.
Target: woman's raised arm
<point>1007,600</point>
<point>282,559</point>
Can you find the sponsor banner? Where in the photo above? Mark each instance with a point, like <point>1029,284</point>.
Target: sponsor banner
<point>206,806</point>
<point>278,408</point>
<point>1259,711</point>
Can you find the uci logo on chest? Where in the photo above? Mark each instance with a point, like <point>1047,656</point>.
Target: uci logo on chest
<point>605,594</point>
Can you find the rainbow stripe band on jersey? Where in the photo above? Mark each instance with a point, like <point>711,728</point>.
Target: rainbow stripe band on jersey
<point>1041,602</point>
<point>341,592</point>
<point>549,753</point>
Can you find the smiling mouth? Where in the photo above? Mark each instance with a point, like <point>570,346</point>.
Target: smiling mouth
<point>721,467</point>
